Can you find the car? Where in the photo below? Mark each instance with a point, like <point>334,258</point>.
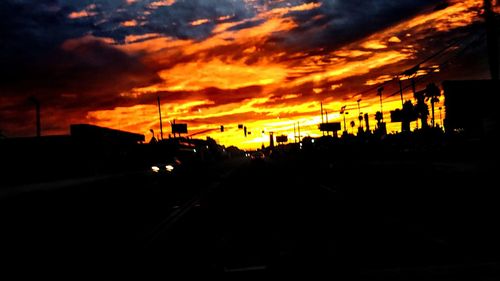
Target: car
<point>257,156</point>
<point>168,167</point>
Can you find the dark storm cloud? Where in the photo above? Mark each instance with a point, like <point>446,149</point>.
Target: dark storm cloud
<point>173,20</point>
<point>84,76</point>
<point>342,22</point>
<point>247,24</point>
<point>80,67</point>
<point>30,29</point>
<point>89,75</point>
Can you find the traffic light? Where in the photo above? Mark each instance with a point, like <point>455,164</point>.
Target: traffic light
<point>221,128</point>
<point>240,126</point>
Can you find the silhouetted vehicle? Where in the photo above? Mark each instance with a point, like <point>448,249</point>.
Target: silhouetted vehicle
<point>257,156</point>
<point>168,167</point>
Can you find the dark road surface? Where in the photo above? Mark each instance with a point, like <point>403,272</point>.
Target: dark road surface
<point>279,217</point>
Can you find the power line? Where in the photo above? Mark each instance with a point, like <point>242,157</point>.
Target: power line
<point>416,66</point>
<point>444,63</point>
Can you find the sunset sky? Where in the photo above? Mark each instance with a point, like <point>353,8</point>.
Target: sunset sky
<point>266,64</point>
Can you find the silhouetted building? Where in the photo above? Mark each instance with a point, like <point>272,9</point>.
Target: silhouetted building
<point>470,107</point>
<point>92,133</point>
<point>281,139</point>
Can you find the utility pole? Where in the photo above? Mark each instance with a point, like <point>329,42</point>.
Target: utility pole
<point>359,113</point>
<point>441,117</point>
<point>492,40</point>
<point>294,134</point>
<point>161,123</point>
<point>298,128</point>
<point>401,91</point>
<point>345,126</point>
<point>326,116</point>
<point>322,121</point>
<point>380,95</point>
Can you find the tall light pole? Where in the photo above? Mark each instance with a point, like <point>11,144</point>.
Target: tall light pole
<point>161,123</point>
<point>492,40</point>
<point>379,90</point>
<point>322,121</point>
<point>343,112</point>
<point>359,113</point>
<point>441,117</point>
<point>298,130</point>
<point>294,134</point>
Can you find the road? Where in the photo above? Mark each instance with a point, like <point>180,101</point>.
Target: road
<point>290,216</point>
<point>283,216</point>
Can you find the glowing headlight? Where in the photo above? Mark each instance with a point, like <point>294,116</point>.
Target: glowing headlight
<point>169,168</point>
<point>155,169</point>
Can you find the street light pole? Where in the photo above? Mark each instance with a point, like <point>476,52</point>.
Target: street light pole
<point>161,124</point>
<point>345,126</point>
<point>294,134</point>
<point>441,117</point>
<point>401,91</point>
<point>298,130</point>
<point>380,95</point>
<point>359,112</point>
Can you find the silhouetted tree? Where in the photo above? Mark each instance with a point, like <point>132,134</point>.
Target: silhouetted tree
<point>153,139</point>
<point>421,108</point>
<point>408,115</point>
<point>378,117</point>
<point>432,94</point>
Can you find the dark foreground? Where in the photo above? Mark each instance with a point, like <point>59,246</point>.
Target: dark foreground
<point>288,215</point>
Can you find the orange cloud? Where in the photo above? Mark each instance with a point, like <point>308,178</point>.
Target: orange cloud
<point>81,14</point>
<point>129,23</point>
<point>373,44</point>
<point>292,83</point>
<point>216,73</point>
<point>87,12</point>
<point>161,3</point>
<point>199,22</point>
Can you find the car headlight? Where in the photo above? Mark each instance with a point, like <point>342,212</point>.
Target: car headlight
<point>169,168</point>
<point>155,169</point>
